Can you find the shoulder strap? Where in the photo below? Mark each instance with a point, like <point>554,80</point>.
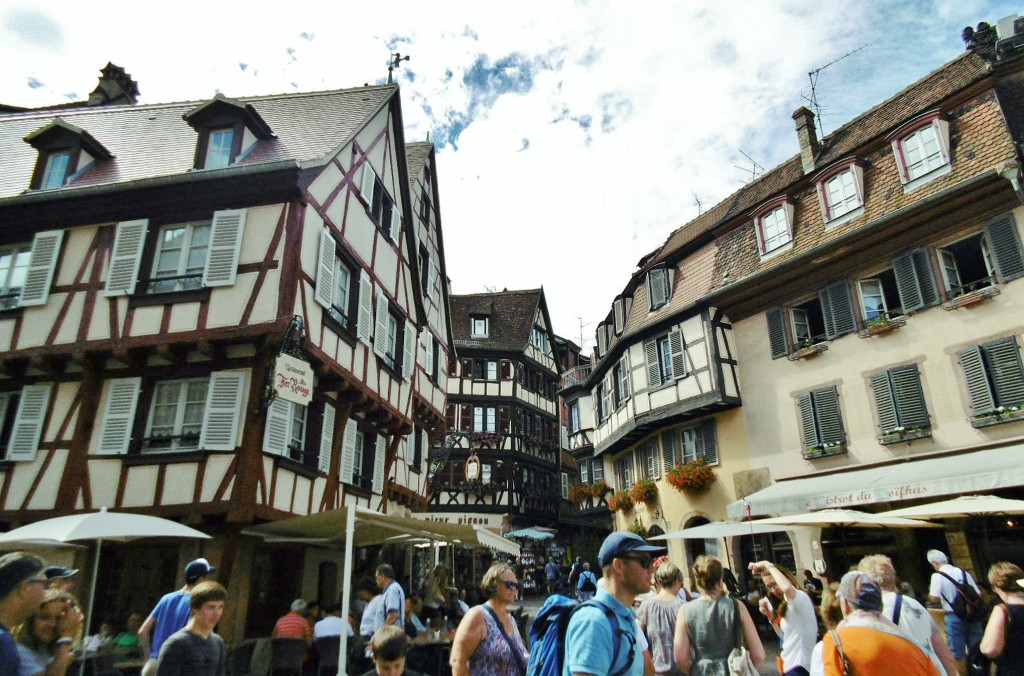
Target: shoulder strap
<point>897,608</point>
<point>613,620</point>
<point>737,635</point>
<point>516,655</point>
<point>842,656</point>
<point>955,583</point>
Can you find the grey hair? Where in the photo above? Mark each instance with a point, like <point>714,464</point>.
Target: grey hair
<point>935,556</point>
<point>298,605</point>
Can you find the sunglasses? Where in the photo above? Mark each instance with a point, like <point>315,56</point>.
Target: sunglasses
<point>510,584</point>
<point>643,559</point>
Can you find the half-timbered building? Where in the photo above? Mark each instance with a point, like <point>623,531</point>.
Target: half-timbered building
<point>223,312</point>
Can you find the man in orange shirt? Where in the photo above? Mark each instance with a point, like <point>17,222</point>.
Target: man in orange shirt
<point>868,641</point>
<point>293,624</point>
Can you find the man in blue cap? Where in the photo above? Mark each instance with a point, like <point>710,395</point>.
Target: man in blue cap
<point>601,639</point>
<point>172,613</point>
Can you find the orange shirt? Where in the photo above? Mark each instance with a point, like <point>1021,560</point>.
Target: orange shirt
<point>293,625</point>
<point>874,652</point>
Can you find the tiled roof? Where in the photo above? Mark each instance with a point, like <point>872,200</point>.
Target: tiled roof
<point>150,141</point>
<point>416,155</point>
<point>511,316</point>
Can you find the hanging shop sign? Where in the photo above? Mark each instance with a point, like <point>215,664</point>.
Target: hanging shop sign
<point>293,379</point>
<point>473,468</point>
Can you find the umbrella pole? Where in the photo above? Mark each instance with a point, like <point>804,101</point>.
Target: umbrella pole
<point>92,601</point>
<point>346,587</point>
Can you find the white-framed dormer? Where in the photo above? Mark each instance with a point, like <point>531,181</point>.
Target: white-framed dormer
<point>921,149</point>
<point>228,131</point>
<point>773,224</point>
<point>65,153</point>
<point>840,190</point>
<point>479,326</point>
<point>659,287</point>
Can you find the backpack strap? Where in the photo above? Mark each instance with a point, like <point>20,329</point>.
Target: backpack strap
<point>516,655</point>
<point>897,608</point>
<point>948,601</point>
<point>613,620</point>
<point>842,656</point>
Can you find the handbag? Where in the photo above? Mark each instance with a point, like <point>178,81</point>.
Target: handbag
<point>739,660</point>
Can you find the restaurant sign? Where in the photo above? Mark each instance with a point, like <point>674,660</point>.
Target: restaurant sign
<point>293,379</point>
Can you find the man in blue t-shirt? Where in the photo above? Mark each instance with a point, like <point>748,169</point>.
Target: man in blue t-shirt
<point>590,644</point>
<point>392,610</point>
<point>22,585</point>
<point>172,612</point>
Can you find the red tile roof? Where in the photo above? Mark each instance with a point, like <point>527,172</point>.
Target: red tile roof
<point>511,316</point>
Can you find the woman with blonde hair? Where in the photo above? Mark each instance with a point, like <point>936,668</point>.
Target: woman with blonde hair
<point>657,617</point>
<point>1003,640</point>
<point>794,621</point>
<point>487,642</point>
<point>831,615</point>
<point>44,639</point>
<point>708,625</point>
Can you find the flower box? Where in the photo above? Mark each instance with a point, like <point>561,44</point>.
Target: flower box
<point>645,491</point>
<point>815,452</point>
<point>971,298</point>
<point>881,326</point>
<point>694,477</point>
<point>998,417</point>
<point>807,351</point>
<point>620,501</point>
<point>898,435</point>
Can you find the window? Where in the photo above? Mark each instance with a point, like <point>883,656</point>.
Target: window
<point>821,420</point>
<point>584,471</point>
<point>899,399</point>
<point>620,381</point>
<point>21,421</point>
<point>647,460</point>
<point>478,326</point>
<point>659,287</point>
<point>574,416</point>
<point>362,458</point>
<point>825,317</point>
<point>415,458</point>
<point>624,472</point>
<point>982,259</point>
<point>180,258</point>
<point>565,486</point>
<point>686,444</point>
<point>343,289</point>
<point>485,419</point>
<point>26,272</point>
<point>56,172</point>
<point>218,148</point>
<point>176,415</point>
<point>994,376</point>
<point>8,410</point>
<point>591,470</point>
<point>775,226</point>
<point>485,369</point>
<point>379,205</point>
<point>666,358</point>
<point>228,131</point>
<point>879,297</point>
<point>392,334</point>
<point>285,431</point>
<point>13,268</point>
<point>841,192</point>
<point>924,151</point>
<point>64,152</point>
<point>539,338</point>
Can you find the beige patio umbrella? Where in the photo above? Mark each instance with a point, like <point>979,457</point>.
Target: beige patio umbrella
<point>846,517</point>
<point>965,505</point>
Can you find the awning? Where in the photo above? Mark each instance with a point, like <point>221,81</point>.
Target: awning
<point>979,471</point>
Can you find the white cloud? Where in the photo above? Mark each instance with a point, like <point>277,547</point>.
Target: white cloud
<point>631,108</point>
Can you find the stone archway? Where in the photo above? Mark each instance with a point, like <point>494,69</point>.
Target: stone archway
<point>695,548</point>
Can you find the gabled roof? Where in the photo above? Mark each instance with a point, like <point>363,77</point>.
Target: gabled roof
<point>416,155</point>
<point>153,141</point>
<point>511,316</point>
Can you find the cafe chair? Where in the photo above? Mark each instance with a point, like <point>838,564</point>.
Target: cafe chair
<point>327,654</point>
<point>286,655</point>
<point>240,658</point>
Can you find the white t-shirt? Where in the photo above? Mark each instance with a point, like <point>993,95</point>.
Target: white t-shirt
<point>329,626</point>
<point>799,632</point>
<point>944,589</point>
<point>641,639</point>
<point>368,624</point>
<point>915,622</point>
<point>818,659</point>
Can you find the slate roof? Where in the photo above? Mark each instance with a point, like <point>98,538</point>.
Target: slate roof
<point>416,155</point>
<point>511,319</point>
<point>150,141</point>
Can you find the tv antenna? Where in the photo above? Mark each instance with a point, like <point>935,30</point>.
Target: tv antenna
<point>396,61</point>
<point>755,168</point>
<point>696,201</point>
<point>813,77</point>
<point>582,326</point>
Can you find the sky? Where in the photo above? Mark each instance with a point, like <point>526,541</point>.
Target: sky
<point>572,137</point>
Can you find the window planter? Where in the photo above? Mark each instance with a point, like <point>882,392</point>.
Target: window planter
<point>880,327</point>
<point>808,351</point>
<point>815,452</point>
<point>896,436</point>
<point>998,417</point>
<point>971,298</point>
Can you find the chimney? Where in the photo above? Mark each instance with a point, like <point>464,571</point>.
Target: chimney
<point>115,87</point>
<point>805,131</point>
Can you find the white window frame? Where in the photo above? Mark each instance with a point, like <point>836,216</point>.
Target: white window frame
<point>341,295</point>
<point>872,313</point>
<point>850,204</point>
<point>801,325</point>
<point>391,342</point>
<point>916,135</point>
<point>55,176</point>
<point>485,419</point>
<point>574,416</point>
<point>217,156</point>
<point>181,405</point>
<point>479,326</point>
<point>10,295</point>
<point>775,228</point>
<point>181,268</point>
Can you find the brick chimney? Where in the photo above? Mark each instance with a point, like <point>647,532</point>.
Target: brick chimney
<point>805,131</point>
<point>115,87</point>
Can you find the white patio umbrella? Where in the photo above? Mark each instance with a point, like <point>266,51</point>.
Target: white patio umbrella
<point>98,526</point>
<point>846,517</point>
<point>725,529</point>
<point>965,505</point>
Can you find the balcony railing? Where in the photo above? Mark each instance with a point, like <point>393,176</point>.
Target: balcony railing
<point>575,376</point>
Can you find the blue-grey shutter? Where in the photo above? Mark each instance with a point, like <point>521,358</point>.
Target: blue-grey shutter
<point>709,441</point>
<point>909,396</point>
<point>651,356</point>
<point>914,280</point>
<point>777,332</point>
<point>346,467</point>
<point>827,415</point>
<point>657,287</point>
<point>364,326</point>
<point>885,403</point>
<point>837,309</point>
<point>668,449</point>
<point>1004,241</point>
<point>678,351</point>
<point>1004,365</point>
<point>807,422</point>
<point>978,388</point>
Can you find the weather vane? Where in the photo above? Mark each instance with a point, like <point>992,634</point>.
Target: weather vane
<point>396,61</point>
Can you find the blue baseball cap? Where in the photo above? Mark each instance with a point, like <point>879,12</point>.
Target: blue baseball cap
<point>621,543</point>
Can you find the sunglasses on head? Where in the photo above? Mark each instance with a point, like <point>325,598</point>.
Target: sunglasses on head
<point>510,584</point>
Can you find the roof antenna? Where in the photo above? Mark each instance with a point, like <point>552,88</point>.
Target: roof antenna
<point>755,168</point>
<point>696,200</point>
<point>396,61</point>
<point>813,99</point>
<point>582,326</point>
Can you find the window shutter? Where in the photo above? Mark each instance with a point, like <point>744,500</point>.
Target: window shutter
<point>837,309</point>
<point>431,277</point>
<point>710,442</point>
<point>828,417</point>
<point>225,245</point>
<point>651,357</point>
<point>326,439</point>
<point>126,257</point>
<point>348,452</point>
<point>1005,246</point>
<point>396,224</point>
<point>506,369</point>
<point>119,415</point>
<point>978,388</point>
<point>914,280</point>
<point>884,402</point>
<point>606,394</point>
<point>668,450</point>
<point>409,353</point>
<point>466,418</point>
<point>28,422</point>
<point>325,270</point>
<point>275,432</point>
<point>428,350</point>
<point>602,340</point>
<point>379,459</point>
<point>1004,364</point>
<point>364,329</point>
<point>366,183</point>
<point>505,419</point>
<point>223,411</point>
<point>584,473</point>
<point>910,406</point>
<point>678,352</point>
<point>777,332</point>
<point>380,334</point>
<point>42,264</point>
<point>810,430</point>
<point>656,288</point>
<point>619,315</point>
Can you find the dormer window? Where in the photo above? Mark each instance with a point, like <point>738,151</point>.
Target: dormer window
<point>774,223</point>
<point>228,131</point>
<point>659,287</point>
<point>921,149</point>
<point>479,326</point>
<point>65,152</point>
<point>841,192</point>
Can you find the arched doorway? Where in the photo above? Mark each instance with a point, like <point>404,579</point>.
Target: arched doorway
<point>695,548</point>
<point>654,531</point>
